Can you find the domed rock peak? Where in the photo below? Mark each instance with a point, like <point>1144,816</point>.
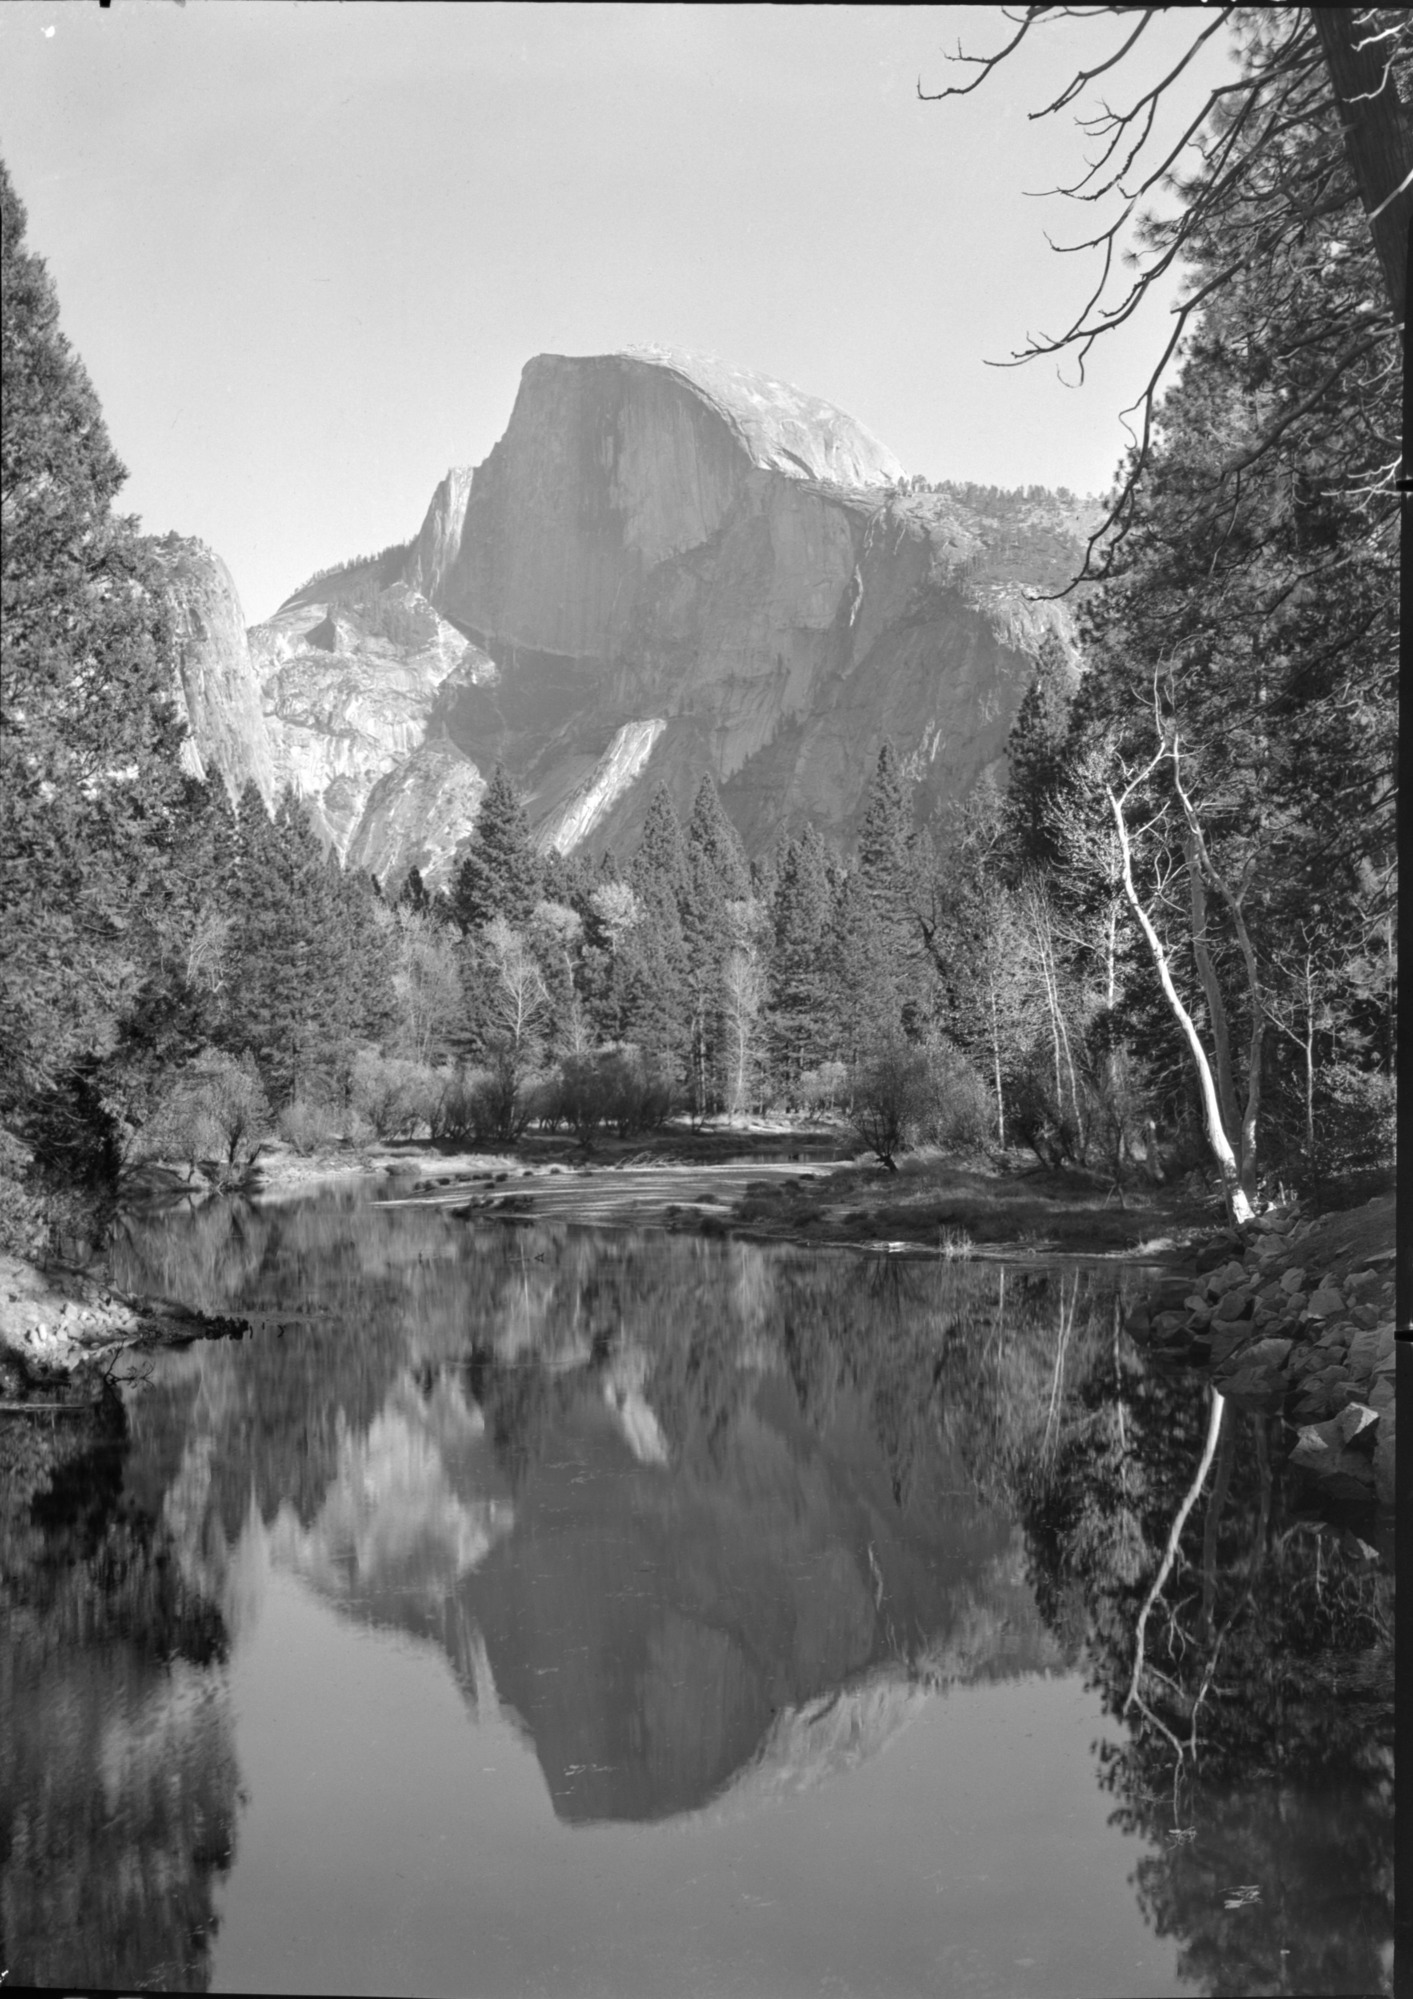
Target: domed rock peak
<point>667,566</point>
<point>615,463</point>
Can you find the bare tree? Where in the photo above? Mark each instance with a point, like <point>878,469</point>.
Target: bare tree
<point>425,983</point>
<point>517,998</point>
<point>742,991</point>
<point>1252,186</point>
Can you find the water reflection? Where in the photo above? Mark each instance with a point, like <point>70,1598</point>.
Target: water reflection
<point>118,1782</point>
<point>705,1523</point>
<point>1257,1683</point>
<point>658,1500</point>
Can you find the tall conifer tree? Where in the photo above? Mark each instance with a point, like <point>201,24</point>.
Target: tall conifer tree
<point>660,874</point>
<point>887,871</point>
<point>863,993</point>
<point>500,874</point>
<point>657,1007</point>
<point>1041,763</point>
<point>89,736</point>
<point>717,877</point>
<point>798,981</point>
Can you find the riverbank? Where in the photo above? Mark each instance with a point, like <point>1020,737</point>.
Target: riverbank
<point>978,1206</point>
<point>57,1322</point>
<point>1296,1316</point>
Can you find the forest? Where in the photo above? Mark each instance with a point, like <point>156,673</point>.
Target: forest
<point>1165,946</point>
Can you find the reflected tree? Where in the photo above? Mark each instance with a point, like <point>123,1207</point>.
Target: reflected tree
<point>118,1782</point>
<point>1248,1654</point>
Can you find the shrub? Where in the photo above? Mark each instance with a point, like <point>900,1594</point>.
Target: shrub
<point>621,1088</point>
<point>641,1094</point>
<point>494,1105</point>
<point>824,1089</point>
<point>960,1108</point>
<point>890,1099</point>
<point>582,1095</point>
<point>308,1127</point>
<point>213,1112</point>
<point>393,1095</point>
<point>1037,1119</point>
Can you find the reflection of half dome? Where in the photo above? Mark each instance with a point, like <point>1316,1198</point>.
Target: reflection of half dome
<point>393,1516</point>
<point>808,1746</point>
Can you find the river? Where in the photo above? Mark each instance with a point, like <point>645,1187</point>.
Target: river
<point>527,1608</point>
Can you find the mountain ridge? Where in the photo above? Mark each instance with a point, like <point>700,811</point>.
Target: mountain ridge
<point>665,566</point>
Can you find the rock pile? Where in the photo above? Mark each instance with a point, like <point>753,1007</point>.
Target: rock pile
<point>1276,1332</point>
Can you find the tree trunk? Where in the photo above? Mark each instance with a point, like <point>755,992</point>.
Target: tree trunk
<point>996,1060</point>
<point>1190,1497</point>
<point>1375,137</point>
<point>1216,1005</point>
<point>1238,1202</point>
<point>1309,1057</point>
<point>1244,1135</point>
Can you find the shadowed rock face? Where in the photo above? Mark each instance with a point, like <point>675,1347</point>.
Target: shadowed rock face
<point>666,566</point>
<point>656,538</point>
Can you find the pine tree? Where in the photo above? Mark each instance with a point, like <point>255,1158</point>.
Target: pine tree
<point>798,982</point>
<point>366,944</point>
<point>863,995</point>
<point>1241,672</point>
<point>413,894</point>
<point>717,879</point>
<point>89,738</point>
<point>1041,763</point>
<point>566,880</point>
<point>887,872</point>
<point>660,874</point>
<point>296,1000</point>
<point>656,984</point>
<point>884,839</point>
<point>500,874</point>
<point>714,845</point>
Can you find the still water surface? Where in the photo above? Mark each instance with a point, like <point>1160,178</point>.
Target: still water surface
<point>545,1610</point>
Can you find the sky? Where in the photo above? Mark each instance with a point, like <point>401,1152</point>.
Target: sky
<point>305,249</point>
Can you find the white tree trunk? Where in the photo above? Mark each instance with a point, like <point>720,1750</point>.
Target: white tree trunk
<point>1238,1201</point>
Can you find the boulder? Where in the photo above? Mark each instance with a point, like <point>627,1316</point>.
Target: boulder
<point>1325,1302</point>
<point>1227,1340</point>
<point>1233,1305</point>
<point>1217,1251</point>
<point>1268,1353</point>
<point>1363,1351</point>
<point>1257,1386</point>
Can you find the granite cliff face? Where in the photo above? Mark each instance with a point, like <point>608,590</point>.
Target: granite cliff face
<point>219,694</point>
<point>417,816</point>
<point>348,690</point>
<point>666,566</point>
<point>661,543</point>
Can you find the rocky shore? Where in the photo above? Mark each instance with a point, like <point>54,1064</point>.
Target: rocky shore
<point>1296,1315</point>
<point>58,1321</point>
